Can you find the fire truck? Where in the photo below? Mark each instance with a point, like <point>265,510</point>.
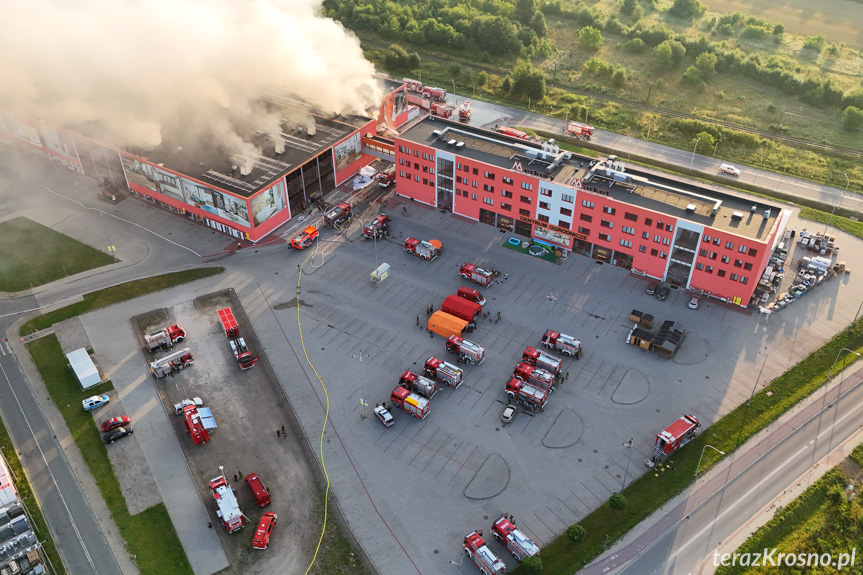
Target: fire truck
<point>534,376</point>
<point>245,359</point>
<point>444,371</point>
<point>460,307</point>
<point>441,110</point>
<point>514,539</point>
<point>465,111</point>
<point>673,438</point>
<point>377,228</point>
<point>418,384</point>
<point>413,85</point>
<point>194,424</point>
<point>565,344</point>
<point>467,351</point>
<point>532,397</point>
<point>306,238</point>
<point>336,215</point>
<point>513,133</point>
<point>434,94</point>
<point>172,362</point>
<point>481,555</point>
<point>542,360</point>
<point>387,177</point>
<point>423,249</point>
<point>476,274</point>
<point>165,339</point>
<point>229,511</point>
<point>412,403</point>
<point>581,131</point>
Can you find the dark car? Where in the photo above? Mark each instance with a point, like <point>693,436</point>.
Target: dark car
<point>651,289</point>
<point>115,422</point>
<point>116,434</point>
<point>662,293</point>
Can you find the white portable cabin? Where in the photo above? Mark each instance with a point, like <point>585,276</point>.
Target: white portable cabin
<point>84,368</point>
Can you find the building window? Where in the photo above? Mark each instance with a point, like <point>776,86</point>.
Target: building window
<point>648,222</point>
<point>738,263</point>
<point>699,266</point>
<point>565,212</point>
<point>544,205</point>
<point>473,197</point>
<point>702,252</point>
<point>734,277</point>
<point>666,242</point>
<point>747,266</point>
<point>628,230</point>
<point>458,166</point>
<point>663,255</point>
<point>506,193</point>
<point>563,224</point>
<point>523,212</point>
<point>489,175</point>
<point>630,217</point>
<point>742,249</point>
<point>587,204</point>
<point>716,241</point>
<point>657,238</point>
<point>458,179</point>
<point>659,225</point>
<point>625,243</point>
<point>712,255</point>
<point>488,201</point>
<point>744,279</point>
<point>466,168</point>
<point>605,237</point>
<point>729,245</point>
<point>669,228</point>
<point>416,166</point>
<point>725,259</point>
<point>401,161</point>
<point>645,235</point>
<point>566,198</point>
<point>606,224</point>
<point>473,184</point>
<point>416,178</point>
<point>416,153</point>
<point>753,252</point>
<point>609,210</point>
<point>426,169</point>
<point>720,273</point>
<point>401,173</point>
<point>654,252</point>
<point>401,149</point>
<point>488,188</point>
<point>542,218</point>
<point>544,192</point>
<point>585,217</point>
<point>476,171</point>
<point>708,269</point>
<point>507,207</point>
<point>425,181</point>
<point>706,239</point>
<point>523,199</point>
<point>584,231</point>
<point>507,180</point>
<point>642,249</point>
<point>526,186</point>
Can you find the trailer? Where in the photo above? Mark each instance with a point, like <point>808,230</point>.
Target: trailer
<point>516,542</point>
<point>418,384</point>
<point>417,406</point>
<point>164,339</point>
<point>535,376</point>
<point>467,351</point>
<point>513,133</point>
<point>526,394</point>
<point>565,344</point>
<point>423,249</point>
<point>172,363</point>
<point>542,360</point>
<point>476,274</point>
<point>230,516</point>
<point>487,562</point>
<point>673,438</point>
<point>446,372</point>
<point>461,307</point>
<point>338,215</point>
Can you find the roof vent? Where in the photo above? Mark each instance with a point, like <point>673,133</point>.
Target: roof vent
<point>690,208</point>
<point>451,143</point>
<point>737,215</point>
<point>766,214</point>
<point>436,133</point>
<point>753,209</point>
<point>459,146</point>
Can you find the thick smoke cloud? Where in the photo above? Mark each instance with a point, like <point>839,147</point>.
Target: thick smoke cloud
<point>143,70</point>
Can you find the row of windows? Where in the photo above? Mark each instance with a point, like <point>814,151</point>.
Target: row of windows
<point>729,245</point>
<point>721,273</point>
<point>738,263</point>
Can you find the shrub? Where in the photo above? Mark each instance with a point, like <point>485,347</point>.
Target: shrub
<point>636,46</point>
<point>778,30</point>
<point>751,32</point>
<point>532,565</point>
<point>482,79</point>
<point>703,141</point>
<point>397,57</point>
<point>618,77</point>
<point>663,56</point>
<point>576,533</point>
<point>814,43</point>
<point>687,8</point>
<point>852,119</point>
<point>617,501</point>
<point>628,7</point>
<point>706,63</point>
<point>506,85</point>
<point>590,38</point>
<point>694,77</point>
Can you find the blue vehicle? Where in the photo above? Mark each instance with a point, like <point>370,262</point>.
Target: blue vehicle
<point>94,402</point>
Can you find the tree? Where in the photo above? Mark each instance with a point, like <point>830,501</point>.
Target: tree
<point>576,532</point>
<point>778,30</point>
<point>617,501</point>
<point>618,78</point>
<point>663,56</point>
<point>678,51</point>
<point>694,77</point>
<point>703,141</point>
<point>590,38</point>
<point>496,34</point>
<point>636,46</point>
<point>527,81</point>
<point>814,43</point>
<point>506,85</point>
<point>852,119</point>
<point>687,8</point>
<point>524,10</point>
<point>628,7</point>
<point>532,565</point>
<point>397,58</point>
<point>706,62</point>
<point>538,24</point>
<point>482,79</point>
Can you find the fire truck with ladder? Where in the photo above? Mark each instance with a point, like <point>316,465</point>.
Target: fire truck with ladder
<point>673,438</point>
<point>441,110</point>
<point>417,406</point>
<point>245,359</point>
<point>378,228</point>
<point>528,395</point>
<point>444,371</point>
<point>581,131</point>
<point>387,177</point>
<point>173,362</point>
<point>542,360</point>
<point>565,344</point>
<point>481,555</point>
<point>434,94</point>
<point>423,249</point>
<point>194,424</point>
<point>306,238</point>
<point>418,384</point>
<point>516,542</point>
<point>229,513</point>
<point>337,215</point>
<point>165,339</point>
<point>466,351</point>
<point>477,274</point>
<point>465,111</point>
<point>535,376</point>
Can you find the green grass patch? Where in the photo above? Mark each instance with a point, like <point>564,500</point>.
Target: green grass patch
<point>547,253</point>
<point>34,255</point>
<point>336,555</point>
<point>649,492</point>
<point>149,535</point>
<point>115,294</point>
<point>853,227</point>
<point>25,492</point>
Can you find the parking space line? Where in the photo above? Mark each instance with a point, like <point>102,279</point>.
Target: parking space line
<point>461,465</point>
<point>586,488</point>
<point>550,530</point>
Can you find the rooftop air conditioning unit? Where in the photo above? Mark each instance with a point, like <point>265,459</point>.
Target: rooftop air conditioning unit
<point>766,214</point>
<point>737,215</point>
<point>451,143</point>
<point>436,133</point>
<point>690,208</point>
<point>459,146</point>
<point>753,209</point>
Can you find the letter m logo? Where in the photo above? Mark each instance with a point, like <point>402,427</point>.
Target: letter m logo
<point>517,166</point>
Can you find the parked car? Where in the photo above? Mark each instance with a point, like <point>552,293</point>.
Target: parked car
<point>116,434</point>
<point>509,413</point>
<point>115,422</point>
<point>651,289</point>
<point>729,169</point>
<point>662,293</point>
<point>94,402</point>
<point>385,416</point>
<point>265,528</point>
<point>178,407</point>
<point>693,303</point>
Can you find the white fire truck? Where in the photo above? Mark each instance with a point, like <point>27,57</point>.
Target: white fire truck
<point>481,555</point>
<point>534,376</point>
<point>542,360</point>
<point>172,362</point>
<point>165,338</point>
<point>515,540</point>
<point>467,351</point>
<point>528,395</point>
<point>565,344</point>
<point>412,403</point>
<point>229,513</point>
<point>418,384</point>
<point>423,249</point>
<point>444,371</point>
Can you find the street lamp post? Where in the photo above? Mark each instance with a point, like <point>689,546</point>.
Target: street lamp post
<point>695,147</point>
<point>453,85</point>
<point>702,455</point>
<point>830,219</point>
<point>625,473</point>
<point>830,373</point>
<point>566,121</point>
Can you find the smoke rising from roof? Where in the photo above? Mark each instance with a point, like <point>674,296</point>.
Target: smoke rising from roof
<point>143,71</point>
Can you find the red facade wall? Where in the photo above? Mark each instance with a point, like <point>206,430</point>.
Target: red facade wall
<point>345,169</point>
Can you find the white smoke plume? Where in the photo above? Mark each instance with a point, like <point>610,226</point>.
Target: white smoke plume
<point>145,70</point>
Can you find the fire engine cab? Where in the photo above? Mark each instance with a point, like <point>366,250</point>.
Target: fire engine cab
<point>337,215</point>
<point>377,228</point>
<point>516,542</point>
<point>481,555</point>
<point>229,513</point>
<point>306,238</point>
<point>387,177</point>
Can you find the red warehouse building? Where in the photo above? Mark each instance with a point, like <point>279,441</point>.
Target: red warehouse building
<point>708,241</point>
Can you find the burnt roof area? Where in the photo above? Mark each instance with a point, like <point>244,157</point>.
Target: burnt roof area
<point>748,217</point>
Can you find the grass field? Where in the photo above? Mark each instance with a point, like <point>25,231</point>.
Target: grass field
<point>149,535</point>
<point>34,255</point>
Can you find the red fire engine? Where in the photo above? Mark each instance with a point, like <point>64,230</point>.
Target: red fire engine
<point>336,215</point>
<point>673,438</point>
<point>229,513</point>
<point>413,85</point>
<point>194,422</point>
<point>441,110</point>
<point>377,228</point>
<point>534,376</point>
<point>465,111</point>
<point>476,274</point>
<point>306,238</point>
<point>434,94</point>
<point>172,363</point>
<point>387,177</point>
<point>444,371</point>
<point>582,131</point>
<point>542,360</point>
<point>515,540</point>
<point>467,351</point>
<point>425,250</point>
<point>417,406</point>
<point>481,555</point>
<point>165,338</point>
<point>526,394</point>
<point>418,384</point>
<point>245,359</point>
<point>565,344</point>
